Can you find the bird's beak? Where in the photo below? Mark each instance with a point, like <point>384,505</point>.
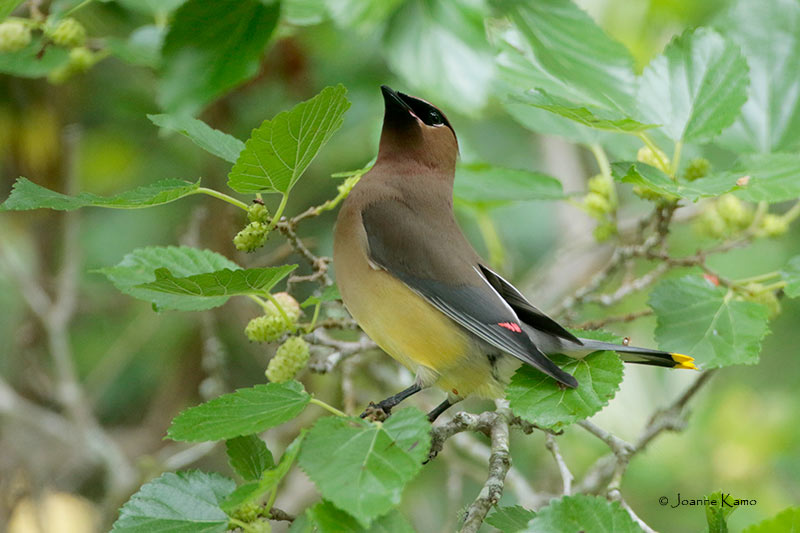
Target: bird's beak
<point>393,102</point>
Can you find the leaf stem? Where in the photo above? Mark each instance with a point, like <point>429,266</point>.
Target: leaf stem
<point>76,8</point>
<point>259,301</point>
<point>760,277</point>
<point>222,196</point>
<point>792,213</point>
<point>605,169</point>
<point>278,213</point>
<point>314,318</point>
<point>676,158</point>
<point>327,407</point>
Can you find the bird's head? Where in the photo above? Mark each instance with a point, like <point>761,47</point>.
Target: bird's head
<point>415,130</point>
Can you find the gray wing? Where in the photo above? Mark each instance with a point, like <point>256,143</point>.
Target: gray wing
<point>423,255</point>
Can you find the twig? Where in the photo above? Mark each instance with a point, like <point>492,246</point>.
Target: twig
<point>342,349</point>
<point>499,463</point>
<point>600,322</point>
<point>280,514</point>
<point>566,476</point>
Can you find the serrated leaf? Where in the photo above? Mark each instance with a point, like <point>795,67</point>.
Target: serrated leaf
<point>698,318</point>
<point>243,412</point>
<point>212,47</point>
<point>772,177</point>
<point>212,289</point>
<point>539,399</point>
<point>280,150</point>
<point>567,46</point>
<point>248,456</point>
<point>213,141</point>
<point>766,31</point>
<point>440,49</point>
<point>787,520</point>
<point>650,177</point>
<point>586,114</point>
<point>250,492</point>
<point>142,47</point>
<point>696,88</point>
<point>26,63</point>
<point>329,294</point>
<point>28,195</point>
<point>719,507</point>
<point>184,502</point>
<point>487,185</point>
<point>510,519</point>
<point>328,519</point>
<point>362,467</point>
<point>582,513</point>
<point>139,267</point>
<point>791,275</point>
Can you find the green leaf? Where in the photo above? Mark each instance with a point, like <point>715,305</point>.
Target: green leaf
<point>586,114</point>
<point>329,294</point>
<point>786,520</point>
<point>213,141</point>
<point>280,150</point>
<point>440,49</point>
<point>653,178</point>
<point>139,267</point>
<point>243,412</point>
<point>696,88</point>
<point>361,16</point>
<point>186,502</point>
<point>539,399</point>
<point>487,185</point>
<point>362,467</point>
<point>250,492</point>
<point>212,289</point>
<point>773,177</point>
<point>766,31</point>
<point>142,47</point>
<point>26,63</point>
<point>248,456</point>
<point>791,275</point>
<point>706,321</point>
<point>718,508</point>
<point>7,7</point>
<point>27,195</point>
<point>582,513</point>
<point>328,519</point>
<point>565,45</point>
<point>212,47</point>
<point>510,519</point>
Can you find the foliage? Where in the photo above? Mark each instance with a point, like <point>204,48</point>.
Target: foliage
<point>724,91</point>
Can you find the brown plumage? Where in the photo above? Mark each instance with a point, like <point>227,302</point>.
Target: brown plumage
<point>414,283</point>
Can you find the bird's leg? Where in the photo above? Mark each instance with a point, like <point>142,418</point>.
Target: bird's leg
<point>441,408</point>
<point>380,411</point>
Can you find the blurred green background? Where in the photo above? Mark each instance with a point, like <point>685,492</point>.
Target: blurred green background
<point>139,368</point>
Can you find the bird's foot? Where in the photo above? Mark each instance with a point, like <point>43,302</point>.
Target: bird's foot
<point>377,412</point>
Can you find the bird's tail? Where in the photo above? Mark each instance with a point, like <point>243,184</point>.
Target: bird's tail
<point>645,356</point>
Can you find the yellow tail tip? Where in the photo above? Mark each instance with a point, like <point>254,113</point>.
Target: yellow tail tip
<point>684,361</point>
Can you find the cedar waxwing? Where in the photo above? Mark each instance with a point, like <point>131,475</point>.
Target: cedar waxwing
<point>416,286</point>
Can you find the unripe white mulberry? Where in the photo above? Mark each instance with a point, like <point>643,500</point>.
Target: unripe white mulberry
<point>736,213</point>
<point>68,33</point>
<point>253,236</point>
<point>648,156</point>
<point>287,303</point>
<point>266,328</point>
<point>698,168</point>
<point>290,358</point>
<point>774,225</point>
<point>258,213</point>
<point>596,205</point>
<point>14,35</point>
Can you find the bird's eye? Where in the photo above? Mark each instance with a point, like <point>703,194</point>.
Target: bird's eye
<point>435,118</point>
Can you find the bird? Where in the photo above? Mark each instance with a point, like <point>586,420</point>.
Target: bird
<point>416,286</point>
